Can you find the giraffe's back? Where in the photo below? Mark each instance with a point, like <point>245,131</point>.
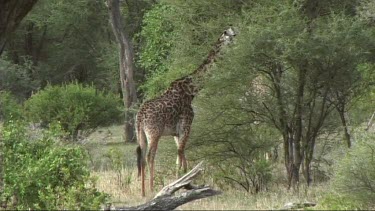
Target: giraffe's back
<point>160,116</point>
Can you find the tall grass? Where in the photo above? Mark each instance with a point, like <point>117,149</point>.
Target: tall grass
<point>124,187</point>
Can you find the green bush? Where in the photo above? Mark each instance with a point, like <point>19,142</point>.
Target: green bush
<point>9,108</point>
<point>355,173</point>
<point>235,150</point>
<point>74,106</point>
<point>43,174</point>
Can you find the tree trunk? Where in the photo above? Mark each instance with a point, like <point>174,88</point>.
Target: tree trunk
<point>11,14</point>
<point>307,169</point>
<point>126,67</point>
<point>343,117</point>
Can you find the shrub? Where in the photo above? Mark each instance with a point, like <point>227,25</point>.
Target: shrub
<point>74,106</point>
<point>9,108</point>
<point>334,201</point>
<point>41,174</point>
<point>355,173</point>
<point>237,155</point>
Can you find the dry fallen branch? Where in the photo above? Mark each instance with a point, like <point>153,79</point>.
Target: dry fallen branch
<point>296,205</point>
<point>369,123</point>
<point>166,200</point>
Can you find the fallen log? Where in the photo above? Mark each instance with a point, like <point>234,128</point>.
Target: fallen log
<point>166,198</point>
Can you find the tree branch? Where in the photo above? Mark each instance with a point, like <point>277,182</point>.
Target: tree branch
<point>166,200</point>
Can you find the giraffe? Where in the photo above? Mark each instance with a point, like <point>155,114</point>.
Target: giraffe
<point>172,114</point>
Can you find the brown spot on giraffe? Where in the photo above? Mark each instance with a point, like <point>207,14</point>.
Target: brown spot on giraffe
<point>171,114</point>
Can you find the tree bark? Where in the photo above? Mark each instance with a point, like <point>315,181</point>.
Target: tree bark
<point>11,14</point>
<point>344,121</point>
<point>298,128</point>
<point>166,200</point>
<point>126,56</point>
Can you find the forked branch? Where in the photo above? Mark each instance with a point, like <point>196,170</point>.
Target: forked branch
<point>166,198</point>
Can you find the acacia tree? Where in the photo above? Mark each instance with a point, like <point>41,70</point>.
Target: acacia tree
<point>126,57</point>
<point>305,66</point>
<point>310,67</point>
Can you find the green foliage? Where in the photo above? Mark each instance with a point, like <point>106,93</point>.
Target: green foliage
<point>355,173</point>
<point>117,162</point>
<point>235,143</point>
<point>116,156</point>
<point>334,201</point>
<point>74,106</point>
<point>362,106</point>
<point>366,10</point>
<point>43,174</point>
<point>9,108</point>
<point>179,36</point>
<point>16,78</point>
<point>157,35</point>
<point>65,42</point>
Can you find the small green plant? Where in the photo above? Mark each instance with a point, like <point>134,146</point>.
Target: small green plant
<point>116,158</point>
<point>74,106</point>
<point>43,174</point>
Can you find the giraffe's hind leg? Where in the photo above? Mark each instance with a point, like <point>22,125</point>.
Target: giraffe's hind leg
<point>179,158</point>
<point>141,163</point>
<point>153,145</point>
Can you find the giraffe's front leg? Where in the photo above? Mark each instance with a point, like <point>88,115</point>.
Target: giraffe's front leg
<point>181,140</point>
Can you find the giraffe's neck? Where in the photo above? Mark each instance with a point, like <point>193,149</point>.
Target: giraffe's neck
<point>210,59</point>
<point>182,88</point>
<point>188,86</point>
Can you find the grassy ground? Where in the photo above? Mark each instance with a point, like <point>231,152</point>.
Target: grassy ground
<point>114,166</point>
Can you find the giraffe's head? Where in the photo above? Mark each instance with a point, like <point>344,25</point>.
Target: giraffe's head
<point>227,36</point>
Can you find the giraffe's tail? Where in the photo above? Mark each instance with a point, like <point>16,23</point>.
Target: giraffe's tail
<point>139,160</point>
<point>142,145</point>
